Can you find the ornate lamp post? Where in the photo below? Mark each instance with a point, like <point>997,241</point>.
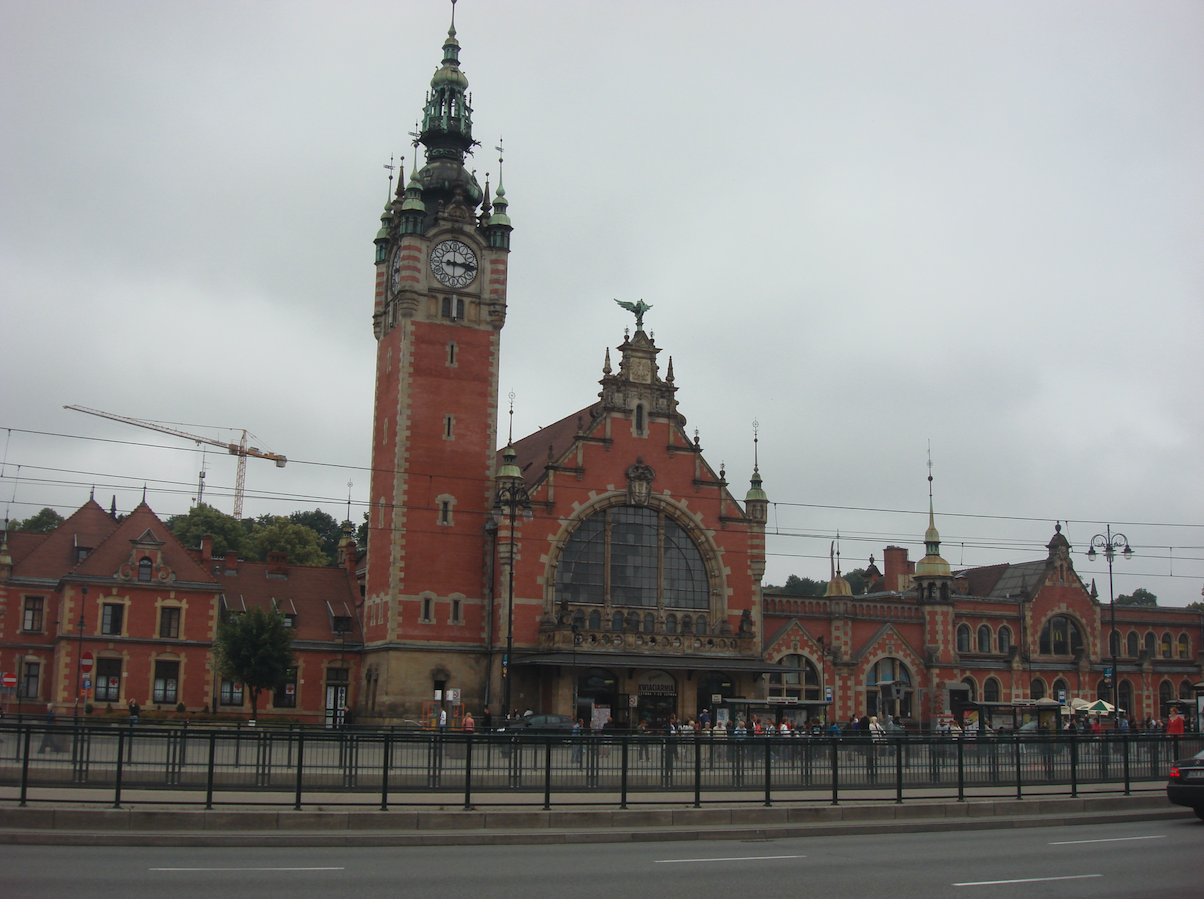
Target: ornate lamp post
<point>1110,543</point>
<point>512,500</point>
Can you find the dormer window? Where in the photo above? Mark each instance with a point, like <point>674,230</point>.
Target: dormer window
<point>290,620</point>
<point>145,569</point>
<point>341,624</point>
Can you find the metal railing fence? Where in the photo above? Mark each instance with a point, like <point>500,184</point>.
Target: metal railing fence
<point>406,767</point>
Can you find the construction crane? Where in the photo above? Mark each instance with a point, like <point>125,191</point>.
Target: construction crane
<point>239,449</point>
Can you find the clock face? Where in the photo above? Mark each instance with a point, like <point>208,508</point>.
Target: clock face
<point>395,271</point>
<point>454,263</point>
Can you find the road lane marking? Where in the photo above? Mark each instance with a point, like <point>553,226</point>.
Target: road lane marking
<point>1108,840</point>
<point>991,883</point>
<point>247,869</point>
<point>739,858</point>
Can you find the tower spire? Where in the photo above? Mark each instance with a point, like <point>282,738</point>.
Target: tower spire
<point>932,564</point>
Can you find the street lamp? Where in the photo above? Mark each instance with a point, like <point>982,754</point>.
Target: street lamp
<point>512,500</point>
<point>1110,543</point>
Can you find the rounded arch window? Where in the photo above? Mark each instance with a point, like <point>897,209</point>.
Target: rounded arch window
<point>649,623</point>
<point>1061,690</point>
<point>984,639</point>
<point>1036,688</point>
<point>990,690</point>
<point>700,624</point>
<point>1151,645</point>
<point>1005,639</point>
<point>1185,689</point>
<point>1166,695</point>
<point>798,680</point>
<point>1114,644</point>
<point>670,623</point>
<point>1184,647</point>
<point>145,570</point>
<point>972,686</point>
<point>635,555</point>
<point>595,620</point>
<point>687,624</point>
<point>1133,644</point>
<point>1103,690</point>
<point>616,621</point>
<point>579,619</point>
<point>1166,646</point>
<point>963,638</point>
<point>1061,637</point>
<point>888,689</point>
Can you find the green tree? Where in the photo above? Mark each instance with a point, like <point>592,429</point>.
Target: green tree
<point>856,579</point>
<point>255,649</point>
<point>1139,597</point>
<point>326,527</point>
<point>1197,605</point>
<point>41,523</point>
<point>804,586</point>
<point>303,545</point>
<point>228,533</point>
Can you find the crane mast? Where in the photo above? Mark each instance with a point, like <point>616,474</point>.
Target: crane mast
<point>240,449</point>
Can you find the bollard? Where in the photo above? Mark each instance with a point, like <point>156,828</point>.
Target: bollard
<point>300,769</point>
<point>547,775</point>
<point>209,775</point>
<point>623,776</point>
<point>835,769</point>
<point>384,774</point>
<point>120,758</point>
<point>468,772</point>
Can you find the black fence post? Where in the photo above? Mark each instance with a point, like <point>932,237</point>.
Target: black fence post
<point>623,775</point>
<point>1019,773</point>
<point>384,773</point>
<point>768,770</point>
<point>468,772</point>
<point>209,774</point>
<point>1124,745</point>
<point>1074,766</point>
<point>300,769</point>
<point>120,759</point>
<point>835,769</point>
<point>961,770</point>
<point>547,775</point>
<point>898,771</point>
<point>24,760</point>
<point>697,773</point>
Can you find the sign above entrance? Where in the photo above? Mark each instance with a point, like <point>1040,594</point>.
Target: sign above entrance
<point>657,683</point>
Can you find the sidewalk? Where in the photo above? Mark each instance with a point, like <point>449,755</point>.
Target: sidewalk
<point>63,818</point>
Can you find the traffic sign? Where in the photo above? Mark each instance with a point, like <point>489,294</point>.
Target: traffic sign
<point>87,683</point>
<point>8,679</point>
<point>86,661</point>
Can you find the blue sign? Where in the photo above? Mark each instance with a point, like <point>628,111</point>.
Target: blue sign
<point>87,683</point>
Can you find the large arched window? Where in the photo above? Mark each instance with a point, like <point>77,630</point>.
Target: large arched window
<point>894,673</point>
<point>799,680</point>
<point>652,561</point>
<point>1005,639</point>
<point>1114,644</point>
<point>984,639</point>
<point>1125,701</point>
<point>1185,689</point>
<point>1061,637</point>
<point>1184,647</point>
<point>1166,694</point>
<point>1166,646</point>
<point>1036,688</point>
<point>1151,645</point>
<point>1061,690</point>
<point>1133,644</point>
<point>972,687</point>
<point>990,690</point>
<point>963,638</point>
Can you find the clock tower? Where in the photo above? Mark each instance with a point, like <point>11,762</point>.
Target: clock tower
<point>441,256</point>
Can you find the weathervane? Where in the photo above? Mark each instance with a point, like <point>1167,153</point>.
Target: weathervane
<point>638,308</point>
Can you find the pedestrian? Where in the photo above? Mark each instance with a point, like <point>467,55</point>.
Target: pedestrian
<point>578,731</point>
<point>469,725</point>
<point>134,712</point>
<point>641,733</point>
<point>1174,724</point>
<point>486,720</point>
<point>442,720</point>
<point>49,737</point>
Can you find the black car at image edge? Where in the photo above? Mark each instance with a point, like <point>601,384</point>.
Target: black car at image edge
<point>1186,784</point>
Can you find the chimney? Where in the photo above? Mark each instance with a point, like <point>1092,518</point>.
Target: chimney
<point>232,562</point>
<point>207,548</point>
<point>278,564</point>
<point>894,560</point>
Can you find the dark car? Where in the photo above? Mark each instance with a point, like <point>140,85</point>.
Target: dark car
<point>1186,784</point>
<point>541,724</point>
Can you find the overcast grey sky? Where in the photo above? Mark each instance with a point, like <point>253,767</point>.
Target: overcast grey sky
<point>867,225</point>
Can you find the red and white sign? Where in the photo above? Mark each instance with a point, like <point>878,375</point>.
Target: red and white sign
<point>87,660</point>
<point>8,679</point>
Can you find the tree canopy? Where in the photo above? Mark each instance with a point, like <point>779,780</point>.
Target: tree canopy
<point>255,649</point>
<point>278,534</point>
<point>1139,597</point>
<point>326,527</point>
<point>805,586</point>
<point>228,532</point>
<point>42,522</point>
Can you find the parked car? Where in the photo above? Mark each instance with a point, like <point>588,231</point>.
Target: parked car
<point>1186,784</point>
<point>541,724</point>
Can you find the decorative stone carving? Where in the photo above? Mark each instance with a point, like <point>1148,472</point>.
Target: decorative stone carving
<point>639,483</point>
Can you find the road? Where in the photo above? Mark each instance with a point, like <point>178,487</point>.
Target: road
<point>1134,860</point>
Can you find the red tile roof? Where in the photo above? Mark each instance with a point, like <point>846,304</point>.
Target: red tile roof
<point>89,526</point>
<point>305,590</point>
<point>107,558</point>
<point>533,451</point>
